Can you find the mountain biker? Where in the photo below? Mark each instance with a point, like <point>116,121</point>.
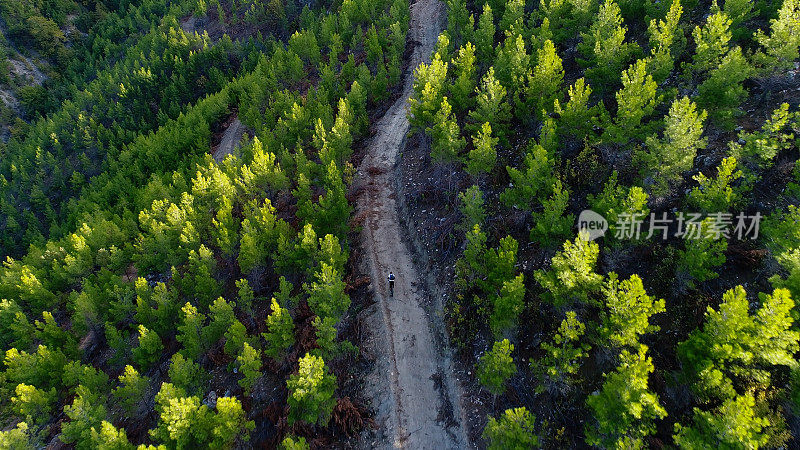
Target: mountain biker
<point>391,283</point>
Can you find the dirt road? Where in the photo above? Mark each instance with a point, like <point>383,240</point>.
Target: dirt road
<point>416,401</point>
<point>230,140</point>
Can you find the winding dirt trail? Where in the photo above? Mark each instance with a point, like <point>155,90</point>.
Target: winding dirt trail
<point>414,396</point>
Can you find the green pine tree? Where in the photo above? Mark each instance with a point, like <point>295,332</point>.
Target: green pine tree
<point>497,366</point>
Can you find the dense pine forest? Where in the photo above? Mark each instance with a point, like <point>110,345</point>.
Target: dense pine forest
<point>678,123</point>
<point>155,297</point>
<point>603,192</point>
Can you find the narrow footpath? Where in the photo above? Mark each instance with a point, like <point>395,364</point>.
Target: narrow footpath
<point>411,385</point>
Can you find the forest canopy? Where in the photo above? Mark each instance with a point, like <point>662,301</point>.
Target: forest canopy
<point>167,282</point>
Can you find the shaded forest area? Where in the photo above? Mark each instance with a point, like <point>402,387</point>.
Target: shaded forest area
<point>657,334</point>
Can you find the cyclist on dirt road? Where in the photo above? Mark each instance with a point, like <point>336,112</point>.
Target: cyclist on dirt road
<point>391,283</point>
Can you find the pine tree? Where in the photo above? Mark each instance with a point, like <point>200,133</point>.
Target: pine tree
<point>782,47</point>
<point>625,409</point>
<point>226,228</point>
<point>50,334</point>
<point>636,101</point>
<point>712,42</point>
<point>716,195</point>
<point>512,65</point>
<point>86,412</point>
<point>15,329</point>
<point>294,443</point>
<point>326,295</point>
<point>761,147</point>
<point>628,311</point>
<point>131,389</point>
<point>311,392</point>
<point>735,350</point>
<point>722,92</point>
<point>198,283</point>
<point>551,225</point>
<point>491,106</point>
<point>618,204</point>
<point>513,17</point>
<point>738,11</point>
<point>783,235</point>
<point>562,357</point>
<point>576,117</point>
<point>32,404</point>
<point>446,140</point>
<point>357,100</point>
<point>109,437</point>
<point>665,37</point>
<point>484,35</point>
<point>249,361</point>
<point>336,145</point>
<point>330,251</point>
<point>723,68</point>
<point>483,155</point>
<point>471,206</point>
<point>88,376</point>
<point>43,369</point>
<point>544,84</point>
<point>235,338</point>
<point>515,429</point>
<point>332,212</point>
<point>702,254</point>
<point>463,87</point>
<point>280,330</point>
<point>326,332</point>
<point>531,182</point>
<point>735,424</point>
<point>184,422</point>
<point>245,296</point>
<point>222,317</point>
<point>459,21</point>
<point>190,332</point>
<point>497,366</point>
<point>501,262</point>
<point>187,374</point>
<point>667,158</point>
<point>571,276</point>
<point>508,305</point>
<point>471,269</point>
<point>604,48</point>
<point>17,438</point>
<point>259,233</point>
<point>263,173</point>
<point>428,92</point>
<point>230,423</point>
<point>150,348</point>
<point>373,46</point>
